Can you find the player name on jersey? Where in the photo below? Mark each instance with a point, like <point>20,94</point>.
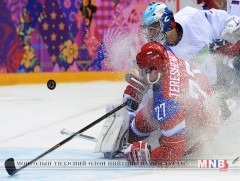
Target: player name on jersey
<point>174,76</point>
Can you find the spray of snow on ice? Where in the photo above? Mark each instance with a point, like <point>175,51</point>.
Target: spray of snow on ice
<point>121,49</point>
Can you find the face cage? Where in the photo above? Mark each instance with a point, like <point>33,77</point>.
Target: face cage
<point>154,34</point>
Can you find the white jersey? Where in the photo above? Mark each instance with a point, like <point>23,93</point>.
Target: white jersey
<point>199,29</point>
<point>233,7</point>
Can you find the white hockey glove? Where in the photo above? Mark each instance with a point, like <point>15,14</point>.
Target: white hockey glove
<point>231,31</point>
<point>137,153</point>
<point>134,92</point>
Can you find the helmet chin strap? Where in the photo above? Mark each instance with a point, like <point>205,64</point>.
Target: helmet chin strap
<point>154,82</point>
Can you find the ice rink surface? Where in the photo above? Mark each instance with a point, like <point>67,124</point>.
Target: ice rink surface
<point>31,117</point>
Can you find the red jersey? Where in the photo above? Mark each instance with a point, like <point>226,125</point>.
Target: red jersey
<point>181,105</point>
<point>184,95</point>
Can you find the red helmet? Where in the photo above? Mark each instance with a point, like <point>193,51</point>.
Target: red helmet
<point>152,55</point>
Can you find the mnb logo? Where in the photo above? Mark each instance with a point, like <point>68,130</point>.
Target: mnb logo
<point>221,164</point>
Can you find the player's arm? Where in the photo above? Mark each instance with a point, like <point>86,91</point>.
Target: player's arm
<point>224,26</point>
<point>172,147</point>
<point>231,31</point>
<point>142,124</point>
<point>172,143</point>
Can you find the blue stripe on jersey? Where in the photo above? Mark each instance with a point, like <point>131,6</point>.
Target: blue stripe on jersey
<point>164,109</point>
<point>168,48</point>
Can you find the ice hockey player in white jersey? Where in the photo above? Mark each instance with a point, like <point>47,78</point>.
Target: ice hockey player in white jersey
<point>229,70</point>
<point>190,32</point>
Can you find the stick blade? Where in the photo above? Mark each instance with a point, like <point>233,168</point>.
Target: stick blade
<point>10,166</point>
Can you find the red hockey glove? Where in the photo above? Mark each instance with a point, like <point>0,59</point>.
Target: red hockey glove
<point>137,153</point>
<point>134,92</point>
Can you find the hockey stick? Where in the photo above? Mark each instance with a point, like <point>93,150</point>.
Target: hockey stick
<point>83,136</point>
<point>10,165</point>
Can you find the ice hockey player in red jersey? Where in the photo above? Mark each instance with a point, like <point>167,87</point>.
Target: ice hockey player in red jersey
<point>179,102</point>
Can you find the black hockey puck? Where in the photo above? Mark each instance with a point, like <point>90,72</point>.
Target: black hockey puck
<point>51,84</point>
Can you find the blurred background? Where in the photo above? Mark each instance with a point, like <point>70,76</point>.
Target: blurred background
<point>52,36</point>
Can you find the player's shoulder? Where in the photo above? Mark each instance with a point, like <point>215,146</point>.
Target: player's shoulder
<point>187,11</point>
<point>186,16</point>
